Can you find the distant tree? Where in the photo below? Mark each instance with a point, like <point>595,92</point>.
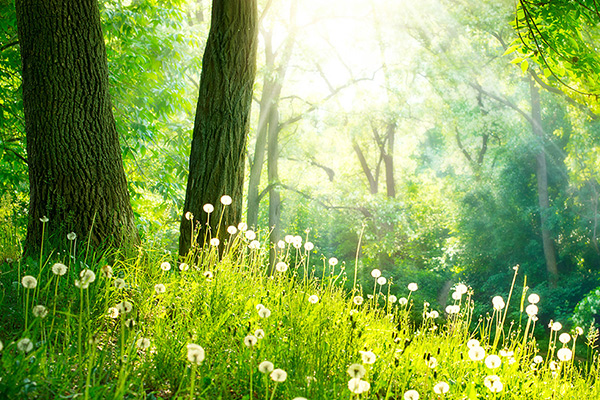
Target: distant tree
<point>222,116</point>
<point>75,167</point>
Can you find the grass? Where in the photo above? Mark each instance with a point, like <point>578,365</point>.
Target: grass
<point>126,334</point>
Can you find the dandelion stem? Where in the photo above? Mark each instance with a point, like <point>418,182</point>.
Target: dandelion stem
<point>356,257</point>
<point>192,381</point>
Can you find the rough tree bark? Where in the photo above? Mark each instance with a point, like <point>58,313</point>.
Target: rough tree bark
<point>75,167</point>
<point>542,185</point>
<point>221,126</point>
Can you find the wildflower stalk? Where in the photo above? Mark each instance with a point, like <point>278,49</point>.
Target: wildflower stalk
<point>273,392</point>
<point>88,378</point>
<point>356,258</point>
<point>192,381</point>
<point>497,337</point>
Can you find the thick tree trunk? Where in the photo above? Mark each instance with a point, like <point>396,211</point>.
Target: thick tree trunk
<point>542,185</point>
<point>222,116</point>
<point>75,167</point>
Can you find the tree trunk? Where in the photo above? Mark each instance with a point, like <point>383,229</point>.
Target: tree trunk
<point>542,185</point>
<point>365,167</point>
<point>221,126</point>
<point>388,159</point>
<point>76,172</point>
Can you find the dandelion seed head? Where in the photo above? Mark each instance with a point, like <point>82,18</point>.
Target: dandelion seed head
<point>441,388</point>
<point>358,300</point>
<point>250,235</point>
<point>184,267</point>
<point>533,298</point>
<point>259,333</point>
<point>250,340</point>
<point>281,244</point>
<point>165,266</point>
<point>265,367</point>
<point>40,311</point>
<point>493,383</point>
<point>142,343</point>
<point>81,284</point>
<point>226,200</point>
<point>333,261</point>
<point>432,362</point>
<point>242,227</point>
<point>232,230</point>
<point>392,299</point>
<point>557,326</point>
<point>531,310</point>
<point>456,296</point>
<point>113,312</point>
<point>59,269</point>
<point>358,386</point>
<point>25,345</point>
<point>308,246</point>
<point>255,244</point>
<point>1,345</point>
<point>125,307</point>
<point>208,208</point>
<point>71,236</point>
<point>564,354</point>
<point>498,303</point>
<point>208,274</point>
<point>538,359</point>
<point>159,288</point>
<point>476,353</point>
<point>413,287</point>
<point>434,314</point>
<point>376,273</point>
<point>493,361</point>
<point>281,266</point>
<point>461,288</point>
<point>578,330</point>
<point>189,216</point>
<point>214,242</point>
<point>564,338</point>
<point>368,357</point>
<point>314,299</point>
<point>44,219</point>
<point>381,281</point>
<point>107,271</point>
<point>356,371</point>
<point>264,312</point>
<point>453,309</point>
<point>195,353</point>
<point>278,375</point>
<point>411,395</point>
<point>403,301</point>
<point>29,282</point>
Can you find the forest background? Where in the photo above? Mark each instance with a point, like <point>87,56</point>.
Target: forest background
<point>428,137</point>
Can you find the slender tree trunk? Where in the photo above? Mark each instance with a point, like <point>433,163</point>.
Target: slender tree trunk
<point>75,167</point>
<point>388,159</point>
<point>222,117</point>
<point>365,167</point>
<point>273,172</point>
<point>542,185</point>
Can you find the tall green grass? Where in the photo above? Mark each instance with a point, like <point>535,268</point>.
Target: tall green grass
<point>217,325</point>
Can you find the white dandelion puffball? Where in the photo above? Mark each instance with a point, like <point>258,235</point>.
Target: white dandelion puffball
<point>208,274</point>
<point>288,239</point>
<point>493,383</point>
<point>564,338</point>
<point>25,345</point>
<point>40,311</point>
<point>441,388</point>
<point>1,345</point>
<point>308,246</point>
<point>538,359</point>
<point>125,307</point>
<point>381,281</point>
<point>564,354</point>
<point>107,271</point>
<point>71,236</point>
<point>498,303</point>
<point>265,367</point>
<point>358,300</point>
<point>472,343</point>
<point>432,363</point>
<point>184,267</point>
<point>403,301</point>
<point>208,208</point>
<point>493,361</point>
<point>159,288</point>
<point>189,216</point>
<point>461,288</point>
<point>557,326</point>
<point>411,395</point>
<point>29,282</point>
<point>453,309</point>
<point>113,312</point>
<point>59,269</point>
<point>358,386</point>
<point>44,219</point>
<point>333,261</point>
<point>278,375</point>
<point>142,343</point>
<point>533,298</point>
<point>281,244</point>
<point>456,296</point>
<point>477,353</point>
<point>81,284</point>
<point>413,287</point>
<point>255,244</point>
<point>250,340</point>
<point>165,266</point>
<point>250,235</point>
<point>281,266</point>
<point>531,310</point>
<point>434,314</point>
<point>87,275</point>
<point>259,333</point>
<point>232,230</point>
<point>579,330</point>
<point>119,283</point>
<point>264,312</point>
<point>314,299</point>
<point>376,273</point>
<point>392,299</point>
<point>242,226</point>
<point>368,357</point>
<point>226,200</point>
<point>195,353</point>
<point>356,371</point>
<point>214,242</point>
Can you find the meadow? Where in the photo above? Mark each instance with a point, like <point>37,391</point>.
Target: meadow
<point>222,324</point>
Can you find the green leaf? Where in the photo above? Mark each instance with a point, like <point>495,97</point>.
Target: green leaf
<point>524,66</point>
